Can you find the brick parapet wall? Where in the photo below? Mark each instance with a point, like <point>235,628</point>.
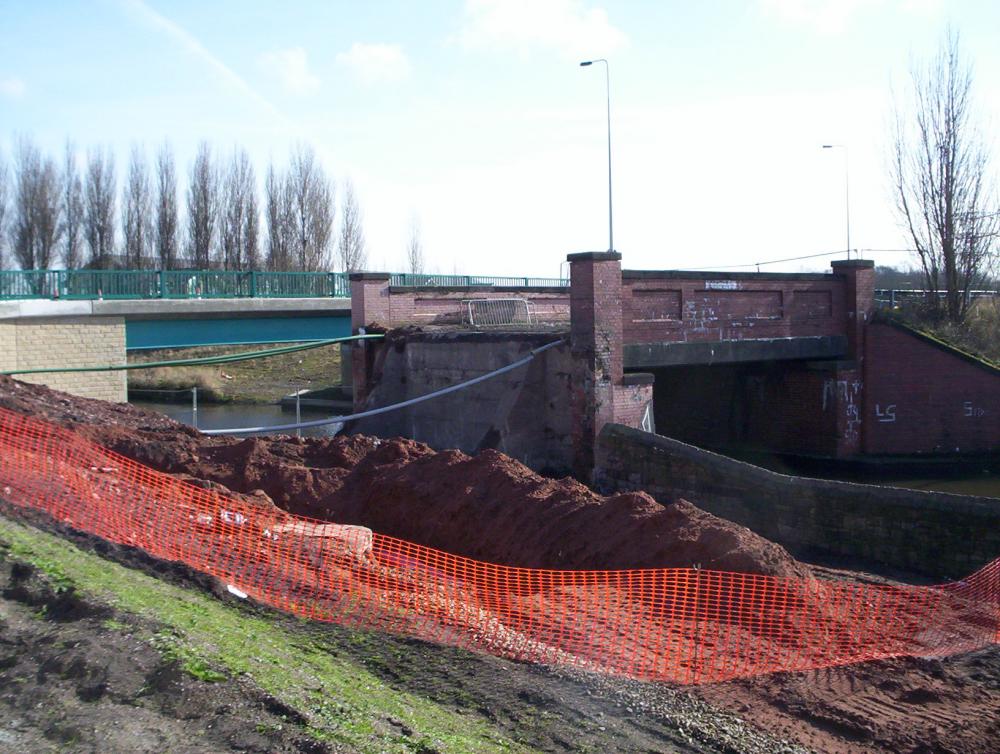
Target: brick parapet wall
<point>42,342</point>
<point>667,307</point>
<point>431,305</point>
<point>923,397</point>
<point>938,534</point>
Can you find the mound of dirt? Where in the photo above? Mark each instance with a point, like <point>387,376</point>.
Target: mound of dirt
<point>487,506</point>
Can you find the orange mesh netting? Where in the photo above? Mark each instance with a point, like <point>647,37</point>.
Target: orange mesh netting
<point>678,624</point>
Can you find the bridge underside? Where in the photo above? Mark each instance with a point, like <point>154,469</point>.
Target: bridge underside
<point>184,333</point>
<point>653,355</point>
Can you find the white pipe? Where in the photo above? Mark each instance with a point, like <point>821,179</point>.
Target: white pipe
<point>385,409</point>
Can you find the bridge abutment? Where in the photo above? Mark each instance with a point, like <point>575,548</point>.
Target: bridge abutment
<point>67,342</point>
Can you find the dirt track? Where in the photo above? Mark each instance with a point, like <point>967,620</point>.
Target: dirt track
<point>441,499</point>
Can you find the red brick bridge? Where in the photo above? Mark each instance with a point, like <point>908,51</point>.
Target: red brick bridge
<point>788,362</point>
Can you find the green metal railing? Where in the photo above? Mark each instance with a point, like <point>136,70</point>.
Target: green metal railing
<point>464,281</point>
<point>149,284</point>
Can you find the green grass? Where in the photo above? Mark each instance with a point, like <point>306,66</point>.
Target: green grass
<point>212,641</point>
<point>264,380</point>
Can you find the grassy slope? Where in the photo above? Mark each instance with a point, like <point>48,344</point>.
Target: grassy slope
<point>253,381</point>
<point>340,698</point>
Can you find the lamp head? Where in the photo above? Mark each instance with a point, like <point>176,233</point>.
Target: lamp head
<point>586,62</point>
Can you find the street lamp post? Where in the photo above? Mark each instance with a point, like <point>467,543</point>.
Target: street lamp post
<point>607,81</point>
<point>847,191</point>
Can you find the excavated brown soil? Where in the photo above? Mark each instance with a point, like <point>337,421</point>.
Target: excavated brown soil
<point>487,507</point>
<point>493,508</point>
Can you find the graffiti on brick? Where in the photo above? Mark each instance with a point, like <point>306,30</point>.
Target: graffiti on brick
<point>886,416</point>
<point>973,411</point>
<point>848,393</point>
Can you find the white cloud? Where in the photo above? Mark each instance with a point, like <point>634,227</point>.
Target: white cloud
<point>11,86</point>
<point>292,68</point>
<point>823,16</point>
<point>376,63</point>
<point>566,27</point>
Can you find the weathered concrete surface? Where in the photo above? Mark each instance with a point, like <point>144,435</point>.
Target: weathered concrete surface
<point>650,355</point>
<point>942,535</point>
<point>523,413</point>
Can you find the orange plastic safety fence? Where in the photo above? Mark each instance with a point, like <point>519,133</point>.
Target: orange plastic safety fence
<point>677,624</point>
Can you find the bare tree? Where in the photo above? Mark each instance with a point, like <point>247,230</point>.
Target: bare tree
<point>202,204</point>
<point>137,211</point>
<point>239,220</point>
<point>279,220</point>
<point>351,251</point>
<point>99,207</point>
<point>165,200</point>
<point>943,182</point>
<point>415,248</point>
<point>4,192</point>
<point>36,228</point>
<point>72,210</point>
<point>311,197</point>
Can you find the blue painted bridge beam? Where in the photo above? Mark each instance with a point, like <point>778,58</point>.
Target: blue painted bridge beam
<point>145,334</point>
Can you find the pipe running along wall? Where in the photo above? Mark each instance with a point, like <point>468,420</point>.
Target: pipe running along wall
<point>202,361</point>
<point>385,409</point>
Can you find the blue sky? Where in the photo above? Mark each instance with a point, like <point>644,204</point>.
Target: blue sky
<point>474,116</point>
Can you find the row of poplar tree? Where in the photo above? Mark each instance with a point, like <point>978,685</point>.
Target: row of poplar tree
<point>53,214</point>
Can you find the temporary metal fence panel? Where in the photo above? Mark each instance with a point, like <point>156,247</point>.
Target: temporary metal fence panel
<point>683,625</point>
<point>495,312</point>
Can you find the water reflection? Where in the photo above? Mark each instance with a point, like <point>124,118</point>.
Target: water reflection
<point>225,415</point>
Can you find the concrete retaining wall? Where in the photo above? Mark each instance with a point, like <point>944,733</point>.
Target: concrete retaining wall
<point>938,534</point>
<point>48,342</point>
<point>523,413</point>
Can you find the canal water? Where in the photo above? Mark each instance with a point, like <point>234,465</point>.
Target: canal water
<point>966,476</point>
<point>225,415</point>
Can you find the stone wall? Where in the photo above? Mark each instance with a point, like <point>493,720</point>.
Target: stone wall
<point>938,534</point>
<point>47,342</point>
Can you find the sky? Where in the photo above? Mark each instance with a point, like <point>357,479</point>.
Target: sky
<point>474,118</point>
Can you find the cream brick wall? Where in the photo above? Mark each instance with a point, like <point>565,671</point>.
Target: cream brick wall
<point>43,342</point>
<point>8,346</point>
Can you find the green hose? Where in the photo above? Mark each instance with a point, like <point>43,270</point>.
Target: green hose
<point>203,361</point>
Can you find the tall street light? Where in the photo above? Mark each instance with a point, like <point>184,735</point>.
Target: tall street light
<point>847,191</point>
<point>607,81</point>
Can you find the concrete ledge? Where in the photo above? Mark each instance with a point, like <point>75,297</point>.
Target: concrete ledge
<point>228,307</point>
<point>647,355</point>
<point>562,290</point>
<point>594,256</point>
<point>638,378</point>
<point>45,308</point>
<point>368,276</point>
<point>707,275</point>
